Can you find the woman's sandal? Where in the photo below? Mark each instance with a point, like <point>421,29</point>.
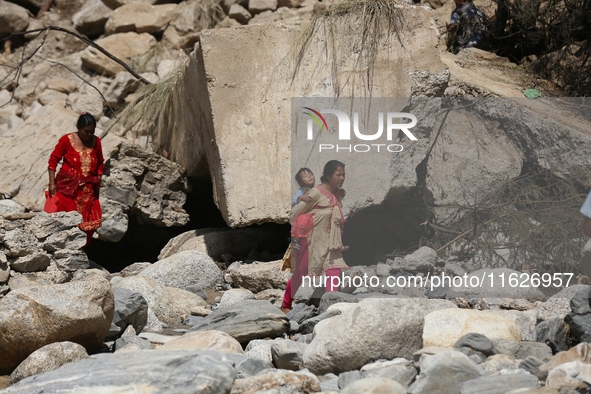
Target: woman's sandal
<point>285,310</point>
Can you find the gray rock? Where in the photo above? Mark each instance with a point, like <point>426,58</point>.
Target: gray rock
<point>307,326</point>
<point>579,304</point>
<point>234,296</point>
<point>531,365</point>
<point>278,382</point>
<point>259,276</point>
<point>251,319</point>
<point>260,349</point>
<point>500,384</point>
<point>476,356</point>
<point>349,377</point>
<point>374,386</point>
<point>91,19</point>
<point>73,239</point>
<point>193,320</point>
<point>329,384</point>
<point>154,325</point>
<point>251,367</point>
<point>44,224</point>
<point>177,371</point>
<point>7,206</point>
<point>423,260</point>
<point>169,304</point>
<point>48,358</point>
<point>198,290</point>
<point>37,261</point>
<point>71,260</point>
<point>130,309</point>
<point>444,372</point>
<point>580,326</point>
<point>132,339</point>
<point>123,84</point>
<point>404,374</point>
<point>538,350</point>
<point>301,312</point>
<point>135,269</point>
<point>33,317</point>
<point>476,342</point>
<point>559,304</point>
<point>394,326</point>
<point>13,18</point>
<point>288,354</point>
<point>439,292</point>
<point>185,269</point>
<point>553,332</point>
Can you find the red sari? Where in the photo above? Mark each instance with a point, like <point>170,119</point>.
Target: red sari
<point>78,181</point>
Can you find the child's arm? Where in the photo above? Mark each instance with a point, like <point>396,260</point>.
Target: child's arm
<point>296,199</point>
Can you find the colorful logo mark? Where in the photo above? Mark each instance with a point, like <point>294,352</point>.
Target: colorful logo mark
<point>316,118</point>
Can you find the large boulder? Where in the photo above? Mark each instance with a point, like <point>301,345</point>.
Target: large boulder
<point>140,18</point>
<point>374,329</point>
<point>91,19</point>
<point>446,326</point>
<point>33,317</point>
<point>169,304</point>
<point>48,358</point>
<point>184,269</point>
<point>259,276</point>
<point>122,45</point>
<point>13,18</point>
<point>174,371</point>
<point>251,319</point>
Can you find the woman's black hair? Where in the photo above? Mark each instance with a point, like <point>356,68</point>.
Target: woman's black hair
<point>86,119</point>
<point>298,176</point>
<point>329,169</point>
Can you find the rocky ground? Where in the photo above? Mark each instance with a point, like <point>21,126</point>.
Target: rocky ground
<point>184,325</point>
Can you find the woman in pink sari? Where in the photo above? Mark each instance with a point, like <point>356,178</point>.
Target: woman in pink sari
<point>320,251</point>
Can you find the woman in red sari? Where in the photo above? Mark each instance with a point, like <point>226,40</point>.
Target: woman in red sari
<point>76,186</point>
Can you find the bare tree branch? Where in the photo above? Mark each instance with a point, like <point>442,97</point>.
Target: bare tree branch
<point>84,39</point>
<point>83,80</point>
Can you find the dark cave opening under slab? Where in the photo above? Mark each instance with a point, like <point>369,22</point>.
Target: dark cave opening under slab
<point>143,243</point>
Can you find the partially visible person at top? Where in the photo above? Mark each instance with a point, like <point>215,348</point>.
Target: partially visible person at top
<point>76,186</point>
<point>466,26</point>
<point>305,178</point>
<point>586,210</point>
